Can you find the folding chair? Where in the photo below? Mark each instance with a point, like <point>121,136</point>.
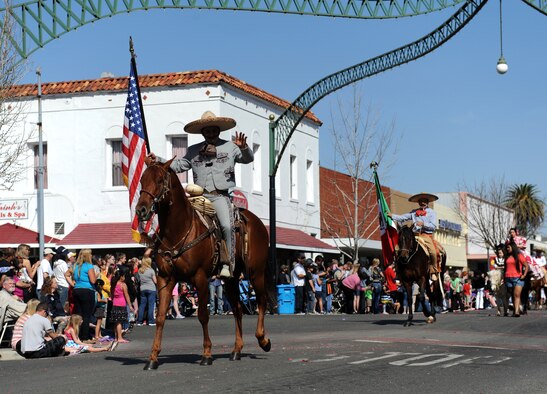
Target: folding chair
<point>6,326</point>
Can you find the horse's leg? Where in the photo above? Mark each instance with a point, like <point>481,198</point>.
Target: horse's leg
<point>258,280</point>
<point>202,285</point>
<point>408,287</point>
<point>165,286</point>
<point>232,293</point>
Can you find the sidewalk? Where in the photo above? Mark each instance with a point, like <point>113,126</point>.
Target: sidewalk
<point>8,354</point>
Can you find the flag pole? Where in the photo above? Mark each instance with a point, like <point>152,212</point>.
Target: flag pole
<point>134,66</point>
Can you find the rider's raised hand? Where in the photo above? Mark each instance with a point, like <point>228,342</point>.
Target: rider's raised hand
<point>150,159</point>
<point>241,140</point>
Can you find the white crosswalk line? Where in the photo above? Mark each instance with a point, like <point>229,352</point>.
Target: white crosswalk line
<point>324,360</point>
<point>441,358</point>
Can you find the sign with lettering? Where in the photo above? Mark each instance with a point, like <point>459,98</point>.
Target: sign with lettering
<point>449,226</point>
<point>239,199</point>
<point>13,209</point>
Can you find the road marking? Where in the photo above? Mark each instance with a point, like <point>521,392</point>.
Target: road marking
<point>370,341</point>
<point>464,361</point>
<point>329,359</point>
<point>502,359</point>
<point>473,346</point>
<point>387,355</point>
<point>441,358</point>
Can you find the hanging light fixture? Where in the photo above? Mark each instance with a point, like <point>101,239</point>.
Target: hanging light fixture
<point>502,66</point>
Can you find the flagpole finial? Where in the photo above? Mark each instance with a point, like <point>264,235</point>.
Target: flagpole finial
<point>374,165</point>
<point>131,49</point>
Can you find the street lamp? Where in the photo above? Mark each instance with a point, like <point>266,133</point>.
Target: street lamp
<point>502,66</point>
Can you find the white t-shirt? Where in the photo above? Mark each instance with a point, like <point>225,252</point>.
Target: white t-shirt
<point>298,270</point>
<point>59,269</point>
<point>34,332</point>
<point>540,261</point>
<point>45,266</point>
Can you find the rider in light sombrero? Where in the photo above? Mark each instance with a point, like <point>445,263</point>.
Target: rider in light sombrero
<point>212,163</point>
<point>424,221</point>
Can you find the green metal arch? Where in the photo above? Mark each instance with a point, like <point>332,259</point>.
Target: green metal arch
<point>540,5</point>
<point>41,21</point>
<point>286,124</point>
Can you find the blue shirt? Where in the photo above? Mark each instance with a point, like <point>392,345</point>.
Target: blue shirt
<point>430,220</point>
<point>81,276</point>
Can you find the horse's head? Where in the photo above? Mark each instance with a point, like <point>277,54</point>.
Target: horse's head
<point>155,185</point>
<point>407,243</point>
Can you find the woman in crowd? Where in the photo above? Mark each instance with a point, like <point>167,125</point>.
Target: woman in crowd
<point>377,277</point>
<point>18,328</point>
<point>148,292</point>
<point>50,295</point>
<point>28,271</point>
<point>357,294</point>
<point>516,269</point>
<point>82,277</point>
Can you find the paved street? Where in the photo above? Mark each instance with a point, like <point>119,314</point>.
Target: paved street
<point>462,352</point>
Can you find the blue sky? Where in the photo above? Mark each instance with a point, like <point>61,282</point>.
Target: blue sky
<point>458,120</point>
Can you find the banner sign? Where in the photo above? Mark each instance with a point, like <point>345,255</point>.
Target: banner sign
<point>13,209</point>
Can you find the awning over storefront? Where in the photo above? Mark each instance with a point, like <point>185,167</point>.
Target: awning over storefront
<point>100,236</point>
<point>288,238</point>
<point>12,235</point>
<point>118,235</point>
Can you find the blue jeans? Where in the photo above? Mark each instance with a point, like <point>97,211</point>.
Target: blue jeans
<point>63,295</point>
<point>329,303</point>
<point>219,303</point>
<point>148,301</point>
<point>376,295</point>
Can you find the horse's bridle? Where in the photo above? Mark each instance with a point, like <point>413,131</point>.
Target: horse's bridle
<point>410,255</point>
<point>163,192</point>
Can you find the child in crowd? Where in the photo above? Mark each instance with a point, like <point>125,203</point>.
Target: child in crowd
<point>467,294</point>
<point>185,292</point>
<point>120,302</point>
<point>73,344</point>
<point>101,298</point>
<point>368,296</point>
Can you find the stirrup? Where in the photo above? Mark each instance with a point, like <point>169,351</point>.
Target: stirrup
<point>225,272</point>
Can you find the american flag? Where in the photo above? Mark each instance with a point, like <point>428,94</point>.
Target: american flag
<point>134,151</point>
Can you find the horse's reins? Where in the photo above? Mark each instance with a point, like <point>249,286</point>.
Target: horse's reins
<point>411,255</point>
<point>172,253</point>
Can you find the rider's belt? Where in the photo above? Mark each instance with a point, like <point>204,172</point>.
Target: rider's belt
<point>218,192</point>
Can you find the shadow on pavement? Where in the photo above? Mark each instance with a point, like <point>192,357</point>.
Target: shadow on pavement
<point>177,359</point>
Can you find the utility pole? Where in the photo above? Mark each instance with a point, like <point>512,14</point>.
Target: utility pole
<point>40,207</point>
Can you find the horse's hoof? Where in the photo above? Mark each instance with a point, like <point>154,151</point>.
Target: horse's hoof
<point>430,320</point>
<point>267,347</point>
<point>235,356</point>
<point>407,324</point>
<point>206,361</point>
<point>151,365</point>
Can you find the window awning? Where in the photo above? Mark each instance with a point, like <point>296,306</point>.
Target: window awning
<point>118,235</point>
<point>12,235</point>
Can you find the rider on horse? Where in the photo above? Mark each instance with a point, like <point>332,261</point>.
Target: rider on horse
<point>424,221</point>
<point>213,162</point>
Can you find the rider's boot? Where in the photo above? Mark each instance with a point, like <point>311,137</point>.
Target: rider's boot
<point>225,272</point>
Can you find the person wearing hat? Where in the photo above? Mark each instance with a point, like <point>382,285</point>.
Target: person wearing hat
<point>44,270</point>
<point>424,221</point>
<point>213,163</point>
<point>63,261</point>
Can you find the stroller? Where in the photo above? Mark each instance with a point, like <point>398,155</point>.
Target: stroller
<point>338,299</point>
<point>247,297</point>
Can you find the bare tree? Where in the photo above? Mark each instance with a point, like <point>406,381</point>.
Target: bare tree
<point>13,138</point>
<point>482,208</point>
<point>359,139</point>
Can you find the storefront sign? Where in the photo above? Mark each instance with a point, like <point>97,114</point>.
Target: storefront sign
<point>13,209</point>
<point>449,226</point>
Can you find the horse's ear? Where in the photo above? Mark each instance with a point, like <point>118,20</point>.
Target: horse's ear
<point>167,164</point>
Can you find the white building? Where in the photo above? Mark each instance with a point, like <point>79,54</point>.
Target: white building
<point>86,202</point>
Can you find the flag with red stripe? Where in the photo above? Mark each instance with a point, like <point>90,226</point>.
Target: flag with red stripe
<point>134,151</point>
<point>388,229</point>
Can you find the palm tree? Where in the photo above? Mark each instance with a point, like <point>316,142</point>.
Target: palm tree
<point>528,206</point>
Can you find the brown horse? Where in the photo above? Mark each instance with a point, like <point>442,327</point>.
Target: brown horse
<point>186,252</point>
<point>412,265</point>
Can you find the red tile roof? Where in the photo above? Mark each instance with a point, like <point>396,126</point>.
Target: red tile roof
<point>298,239</point>
<point>103,234</point>
<point>149,81</point>
<point>12,235</point>
<point>119,234</point>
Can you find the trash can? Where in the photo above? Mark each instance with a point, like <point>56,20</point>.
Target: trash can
<point>285,299</point>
